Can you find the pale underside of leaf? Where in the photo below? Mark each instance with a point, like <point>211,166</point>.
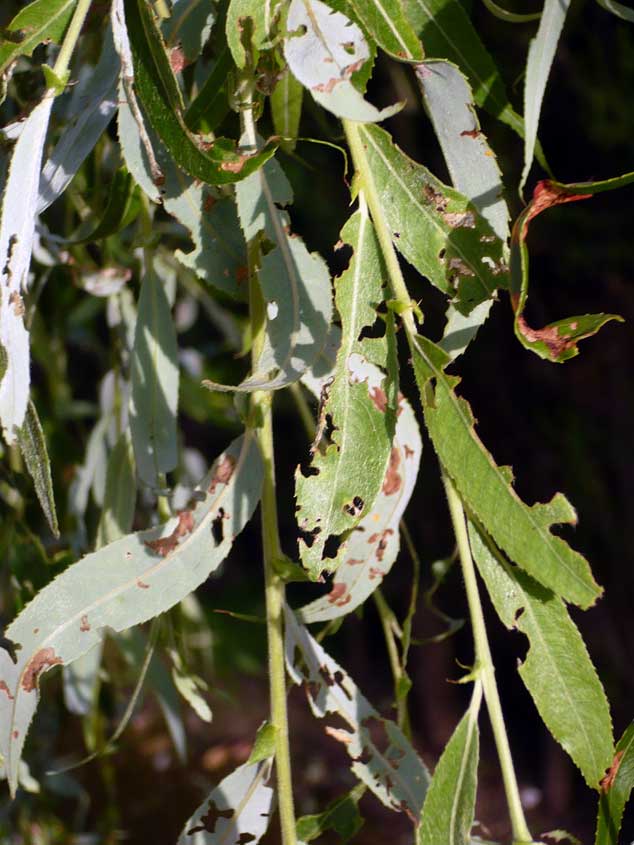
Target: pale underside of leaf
<point>390,767</point>
<point>123,584</point>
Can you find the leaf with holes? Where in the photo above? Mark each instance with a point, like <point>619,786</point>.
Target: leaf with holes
<point>341,484</point>
<point>523,532</point>
<point>235,812</point>
<point>557,670</point>
<point>373,546</point>
<point>295,285</point>
<point>123,584</point>
<point>43,20</point>
<point>450,803</point>
<point>434,227</point>
<point>260,13</point>
<point>324,49</point>
<point>382,757</point>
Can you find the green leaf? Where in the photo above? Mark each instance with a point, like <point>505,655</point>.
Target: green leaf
<point>436,229</point>
<point>158,91</point>
<point>117,513</point>
<point>295,285</point>
<point>237,810</point>
<point>341,484</point>
<point>388,25</point>
<point>371,550</point>
<point>125,583</point>
<point>449,807</point>
<point>341,816</point>
<point>557,669</point>
<point>264,745</point>
<point>523,532</point>
<point>382,757</point>
<point>510,17</point>
<point>154,398</point>
<point>211,104</point>
<point>616,791</point>
<point>541,53</point>
<point>121,208</point>
<point>557,341</point>
<point>32,444</point>
<point>286,109</point>
<point>43,20</point>
<point>323,50</point>
<point>261,13</point>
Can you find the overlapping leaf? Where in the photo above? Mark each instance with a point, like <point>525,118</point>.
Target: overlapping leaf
<point>389,27</point>
<point>33,447</point>
<point>616,789</point>
<point>341,816</point>
<point>342,483</point>
<point>382,757</point>
<point>556,341</point>
<point>286,108</point>
<point>188,27</point>
<point>436,229</point>
<point>42,20</point>
<point>261,14</point>
<point>449,807</point>
<point>557,669</point>
<point>125,583</point>
<point>235,812</point>
<point>295,285</point>
<point>324,49</point>
<point>523,532</point>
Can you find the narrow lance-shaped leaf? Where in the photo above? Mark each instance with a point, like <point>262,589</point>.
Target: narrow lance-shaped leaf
<point>295,285</point>
<point>286,109</point>
<point>189,26</point>
<point>158,91</point>
<point>33,447</point>
<point>154,398</point>
<point>622,11</point>
<point>261,13</point>
<point>17,225</point>
<point>235,812</point>
<point>388,25</point>
<point>557,670</point>
<point>541,53</point>
<point>117,513</point>
<point>382,757</point>
<point>557,341</point>
<point>342,483</point>
<point>43,20</point>
<point>341,816</point>
<point>373,546</point>
<point>473,169</point>
<point>122,206</point>
<point>323,49</point>
<point>128,582</point>
<point>616,788</point>
<point>436,229</point>
<point>449,807</point>
<point>523,532</point>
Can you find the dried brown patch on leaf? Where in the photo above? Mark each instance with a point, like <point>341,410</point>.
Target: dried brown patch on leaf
<point>223,473</point>
<point>84,625</point>
<point>339,595</point>
<point>556,341</point>
<point>41,661</point>
<point>5,689</point>
<point>393,481</point>
<point>607,782</point>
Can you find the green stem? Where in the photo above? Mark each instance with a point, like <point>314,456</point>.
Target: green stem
<point>273,585</point>
<point>484,663</point>
<point>60,68</point>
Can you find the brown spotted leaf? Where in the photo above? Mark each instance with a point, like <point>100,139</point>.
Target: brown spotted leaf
<point>125,583</point>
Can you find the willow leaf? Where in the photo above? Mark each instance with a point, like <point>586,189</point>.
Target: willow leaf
<point>286,109</point>
<point>323,50</point>
<point>450,803</point>
<point>17,227</point>
<point>33,447</point>
<point>154,398</point>
<point>117,513</point>
<point>382,757</point>
<point>557,670</point>
<point>236,811</point>
<point>622,11</point>
<point>125,583</point>
<point>386,22</point>
<point>342,483</point>
<point>510,17</point>
<point>295,285</point>
<point>541,53</point>
<point>121,208</point>
<point>341,816</point>
<point>616,789</point>
<point>523,532</point>
<point>436,229</point>
<point>211,104</point>
<point>557,341</point>
<point>261,14</point>
<point>158,91</point>
<point>43,20</point>
<point>189,26</point>
<point>373,547</point>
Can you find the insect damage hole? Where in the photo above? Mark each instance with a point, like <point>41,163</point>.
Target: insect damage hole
<point>217,528</point>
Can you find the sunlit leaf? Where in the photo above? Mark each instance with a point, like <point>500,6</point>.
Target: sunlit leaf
<point>235,812</point>
<point>323,49</point>
<point>437,229</point>
<point>43,20</point>
<point>386,22</point>
<point>382,757</point>
<point>341,816</point>
<point>261,14</point>
<point>264,745</point>
<point>33,447</point>
<point>341,484</point>
<point>125,583</point>
<point>154,398</point>
<point>286,109</point>
<point>615,791</point>
<point>450,803</point>
<point>557,669</point>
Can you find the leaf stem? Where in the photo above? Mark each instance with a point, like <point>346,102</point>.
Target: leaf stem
<point>60,68</point>
<point>484,662</point>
